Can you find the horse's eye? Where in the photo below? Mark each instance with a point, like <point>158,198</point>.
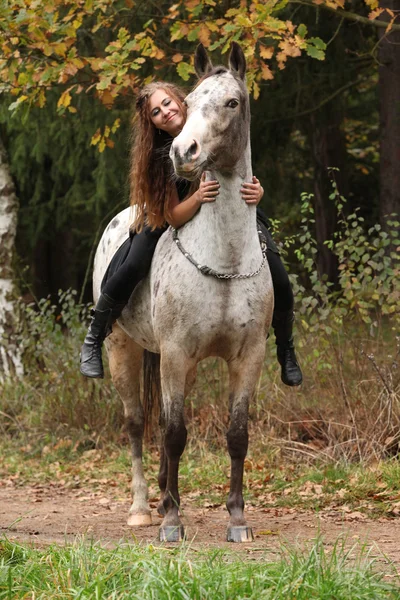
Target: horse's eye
<point>232,103</point>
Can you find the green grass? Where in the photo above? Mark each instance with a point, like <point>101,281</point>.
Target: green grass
<point>86,570</point>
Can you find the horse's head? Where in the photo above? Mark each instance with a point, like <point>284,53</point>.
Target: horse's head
<point>216,132</point>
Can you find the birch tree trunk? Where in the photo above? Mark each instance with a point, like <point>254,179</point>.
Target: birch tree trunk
<point>10,357</point>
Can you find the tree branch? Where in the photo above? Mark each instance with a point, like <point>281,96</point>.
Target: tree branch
<point>345,14</point>
<point>321,104</point>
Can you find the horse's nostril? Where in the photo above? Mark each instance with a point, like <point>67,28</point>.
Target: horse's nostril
<point>193,148</point>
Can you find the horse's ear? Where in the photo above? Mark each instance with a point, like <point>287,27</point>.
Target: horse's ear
<point>237,61</point>
<point>202,63</point>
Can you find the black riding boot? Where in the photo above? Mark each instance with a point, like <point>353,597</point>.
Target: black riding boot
<point>282,322</point>
<point>106,312</point>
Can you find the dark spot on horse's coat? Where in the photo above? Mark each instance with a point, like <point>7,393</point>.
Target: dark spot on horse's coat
<point>204,111</point>
<point>248,303</point>
<point>243,325</point>
<point>114,223</point>
<point>155,289</point>
<point>108,241</point>
<point>206,92</point>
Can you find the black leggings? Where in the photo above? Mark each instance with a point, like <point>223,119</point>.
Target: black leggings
<point>128,270</point>
<point>136,264</point>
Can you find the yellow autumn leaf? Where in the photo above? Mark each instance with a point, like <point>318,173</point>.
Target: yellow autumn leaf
<point>107,98</point>
<point>64,100</point>
<point>177,58</point>
<point>256,91</point>
<point>102,145</point>
<point>115,125</point>
<point>159,54</point>
<point>41,101</point>
<point>266,51</point>
<point>389,27</point>
<point>281,58</point>
<point>375,14</point>
<point>204,35</point>
<point>266,72</point>
<point>60,49</point>
<point>95,138</point>
<point>212,26</point>
<point>289,48</point>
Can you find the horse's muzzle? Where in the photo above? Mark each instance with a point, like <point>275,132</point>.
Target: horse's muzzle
<point>185,156</point>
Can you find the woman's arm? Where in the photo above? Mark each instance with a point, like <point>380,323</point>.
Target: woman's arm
<point>182,212</point>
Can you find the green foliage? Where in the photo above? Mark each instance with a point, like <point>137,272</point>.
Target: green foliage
<point>65,186</point>
<point>369,271</point>
<point>87,570</point>
<point>50,336</point>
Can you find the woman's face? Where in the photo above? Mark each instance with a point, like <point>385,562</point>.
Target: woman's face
<point>165,113</point>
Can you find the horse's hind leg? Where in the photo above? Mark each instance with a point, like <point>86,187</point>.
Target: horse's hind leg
<point>125,359</point>
<point>243,377</point>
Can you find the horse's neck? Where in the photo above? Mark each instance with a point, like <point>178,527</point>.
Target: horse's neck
<point>223,234</point>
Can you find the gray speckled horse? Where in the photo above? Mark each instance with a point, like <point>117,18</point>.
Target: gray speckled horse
<point>185,315</point>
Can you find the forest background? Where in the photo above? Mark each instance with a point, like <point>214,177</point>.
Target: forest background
<point>324,79</point>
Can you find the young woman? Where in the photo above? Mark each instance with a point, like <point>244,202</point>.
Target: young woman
<point>161,200</point>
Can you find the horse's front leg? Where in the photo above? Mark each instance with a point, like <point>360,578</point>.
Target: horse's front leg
<point>243,377</point>
<point>174,369</point>
<point>163,471</point>
<point>125,359</point>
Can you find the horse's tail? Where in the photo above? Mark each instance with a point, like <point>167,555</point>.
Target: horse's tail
<point>151,392</point>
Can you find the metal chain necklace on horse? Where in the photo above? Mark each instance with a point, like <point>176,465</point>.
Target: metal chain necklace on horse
<point>184,316</point>
<point>209,271</point>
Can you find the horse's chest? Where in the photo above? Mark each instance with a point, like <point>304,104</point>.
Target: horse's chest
<point>203,312</point>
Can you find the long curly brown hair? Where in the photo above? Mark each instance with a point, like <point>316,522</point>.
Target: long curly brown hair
<point>151,175</point>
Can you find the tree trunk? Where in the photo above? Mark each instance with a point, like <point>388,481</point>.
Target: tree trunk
<point>10,358</point>
<point>328,150</point>
<point>389,94</point>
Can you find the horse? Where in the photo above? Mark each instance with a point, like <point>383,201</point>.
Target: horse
<point>209,293</point>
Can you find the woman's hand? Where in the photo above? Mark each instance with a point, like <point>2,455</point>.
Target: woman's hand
<point>252,192</point>
<point>208,190</point>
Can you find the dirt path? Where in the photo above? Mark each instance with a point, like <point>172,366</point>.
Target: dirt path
<point>44,514</point>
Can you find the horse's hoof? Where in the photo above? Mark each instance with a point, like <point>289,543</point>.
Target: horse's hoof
<point>139,520</point>
<point>172,533</point>
<point>239,534</point>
